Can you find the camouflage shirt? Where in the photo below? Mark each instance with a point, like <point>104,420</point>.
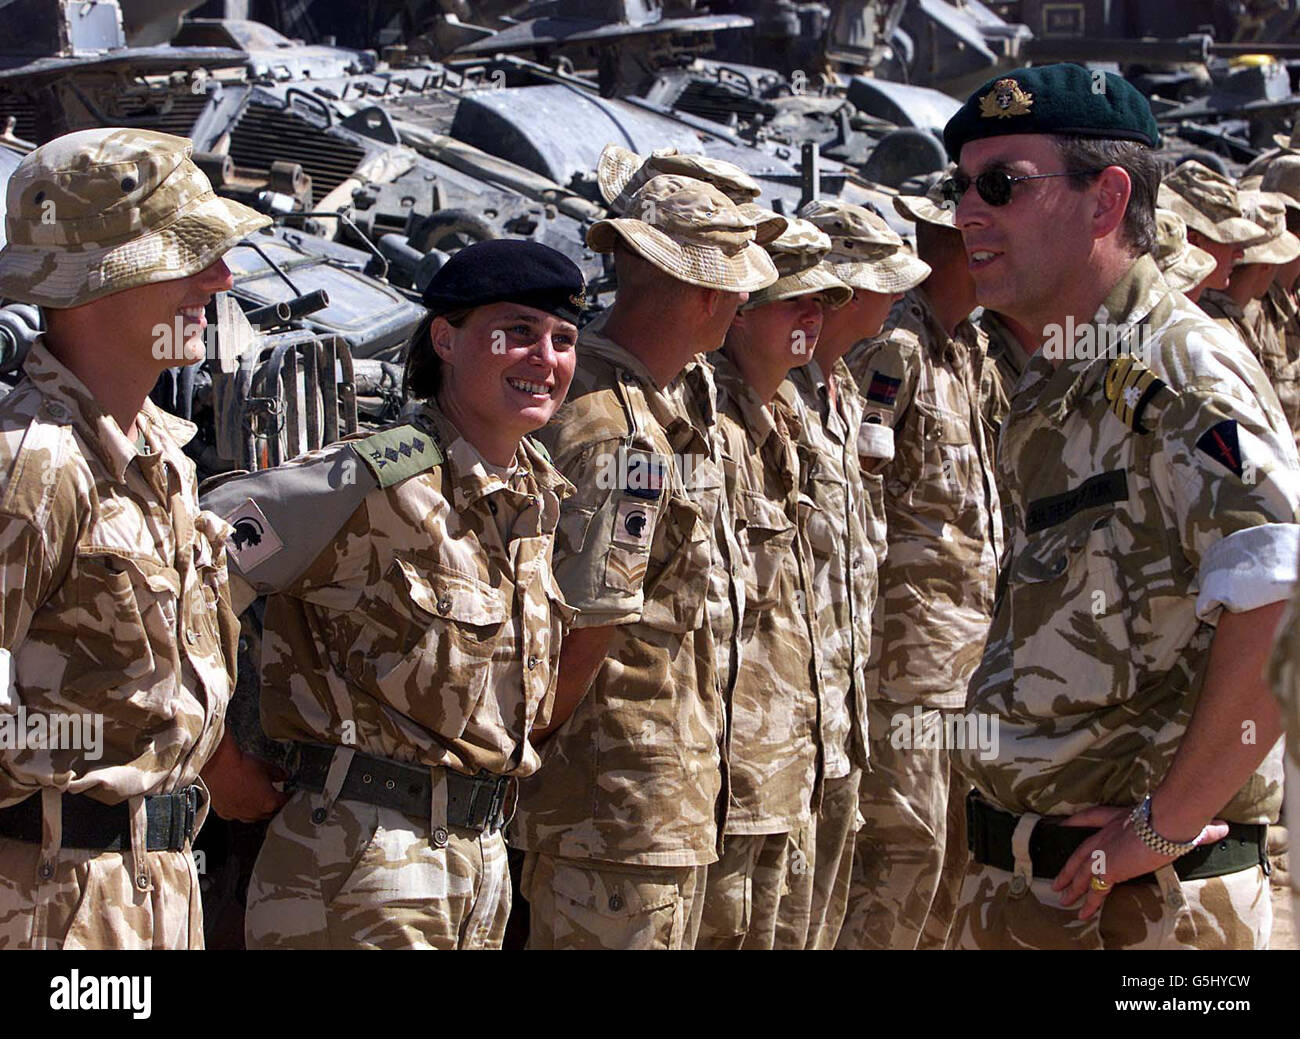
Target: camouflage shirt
<point>1144,497</point>
<point>772,735</point>
<point>116,602</point>
<point>1275,321</point>
<point>942,515</point>
<point>427,628</point>
<point>1001,376</point>
<point>1284,674</point>
<point>836,516</point>
<point>635,775</point>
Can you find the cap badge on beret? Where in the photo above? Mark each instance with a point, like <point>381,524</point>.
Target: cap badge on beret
<point>579,300</point>
<point>1007,98</point>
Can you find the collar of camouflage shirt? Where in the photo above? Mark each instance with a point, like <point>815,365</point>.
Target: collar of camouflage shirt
<point>1134,296</point>
<point>754,414</point>
<point>66,399</point>
<point>472,478</point>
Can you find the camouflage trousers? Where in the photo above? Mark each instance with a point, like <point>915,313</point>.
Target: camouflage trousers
<point>898,856</point>
<point>748,887</point>
<point>72,898</point>
<point>1234,911</point>
<point>836,828</point>
<point>366,877</point>
<point>586,904</point>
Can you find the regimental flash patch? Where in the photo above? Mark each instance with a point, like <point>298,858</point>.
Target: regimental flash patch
<point>1007,98</point>
<point>254,540</point>
<point>397,454</point>
<point>883,389</point>
<point>644,476</point>
<point>1130,387</point>
<point>635,523</point>
<point>1220,443</point>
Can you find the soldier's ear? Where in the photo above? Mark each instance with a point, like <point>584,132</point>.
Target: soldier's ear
<point>440,336</point>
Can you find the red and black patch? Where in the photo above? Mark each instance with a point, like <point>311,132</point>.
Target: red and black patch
<point>1220,443</point>
<point>883,389</point>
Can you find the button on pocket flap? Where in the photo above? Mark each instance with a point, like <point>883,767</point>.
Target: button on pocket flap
<point>941,425</point>
<point>756,512</point>
<point>612,893</point>
<point>454,596</point>
<point>1049,553</point>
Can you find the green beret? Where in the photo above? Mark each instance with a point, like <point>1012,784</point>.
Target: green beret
<point>1064,99</point>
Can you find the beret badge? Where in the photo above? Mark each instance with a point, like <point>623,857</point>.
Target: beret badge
<point>1006,99</point>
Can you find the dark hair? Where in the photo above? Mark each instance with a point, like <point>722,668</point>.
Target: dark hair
<point>1143,169</point>
<point>422,377</point>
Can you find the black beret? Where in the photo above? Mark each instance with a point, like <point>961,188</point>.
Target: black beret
<point>1064,99</point>
<point>508,270</point>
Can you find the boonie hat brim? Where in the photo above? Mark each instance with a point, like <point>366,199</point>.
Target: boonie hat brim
<point>202,232</point>
<point>746,270</point>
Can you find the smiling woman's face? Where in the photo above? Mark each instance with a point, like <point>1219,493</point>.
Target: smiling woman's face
<point>506,368</point>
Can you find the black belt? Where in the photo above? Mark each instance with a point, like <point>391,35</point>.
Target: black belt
<point>484,801</point>
<point>989,832</point>
<point>95,826</point>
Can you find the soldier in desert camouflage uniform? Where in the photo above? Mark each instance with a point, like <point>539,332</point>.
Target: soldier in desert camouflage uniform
<point>1183,265</point>
<point>922,379</point>
<point>1210,206</point>
<point>1237,308</point>
<point>843,528</point>
<point>623,818</point>
<point>116,606</point>
<point>773,739</point>
<point>1152,499</point>
<point>413,626</point>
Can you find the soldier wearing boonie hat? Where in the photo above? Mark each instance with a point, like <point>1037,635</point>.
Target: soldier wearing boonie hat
<point>925,379</point>
<point>1280,307</point>
<point>824,413</point>
<point>1184,266</point>
<point>621,173</point>
<point>1139,429</point>
<point>622,822</point>
<point>117,607</point>
<point>1240,308</point>
<point>773,709</point>
<point>1209,204</point>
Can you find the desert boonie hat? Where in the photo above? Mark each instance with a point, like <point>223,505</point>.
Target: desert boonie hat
<point>692,232</point>
<point>1268,210</point>
<point>1208,203</point>
<point>99,211</point>
<point>620,173</point>
<point>1183,265</point>
<point>866,253</point>
<point>1283,176</point>
<point>929,208</point>
<point>797,255</point>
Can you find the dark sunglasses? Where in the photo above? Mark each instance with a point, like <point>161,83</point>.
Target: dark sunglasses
<point>994,186</point>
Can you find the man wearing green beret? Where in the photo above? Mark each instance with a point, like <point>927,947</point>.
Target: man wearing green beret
<point>1151,493</point>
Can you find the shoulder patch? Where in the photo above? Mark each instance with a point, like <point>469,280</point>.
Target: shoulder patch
<point>883,389</point>
<point>1130,386</point>
<point>397,454</point>
<point>1220,443</point>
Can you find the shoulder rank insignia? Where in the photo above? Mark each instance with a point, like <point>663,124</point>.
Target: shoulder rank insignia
<point>1007,98</point>
<point>1129,387</point>
<point>397,454</point>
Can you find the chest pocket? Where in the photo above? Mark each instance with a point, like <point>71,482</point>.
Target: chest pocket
<point>428,642</point>
<point>932,458</point>
<point>1070,615</point>
<point>767,537</point>
<point>678,578</point>
<point>823,506</point>
<point>121,601</point>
